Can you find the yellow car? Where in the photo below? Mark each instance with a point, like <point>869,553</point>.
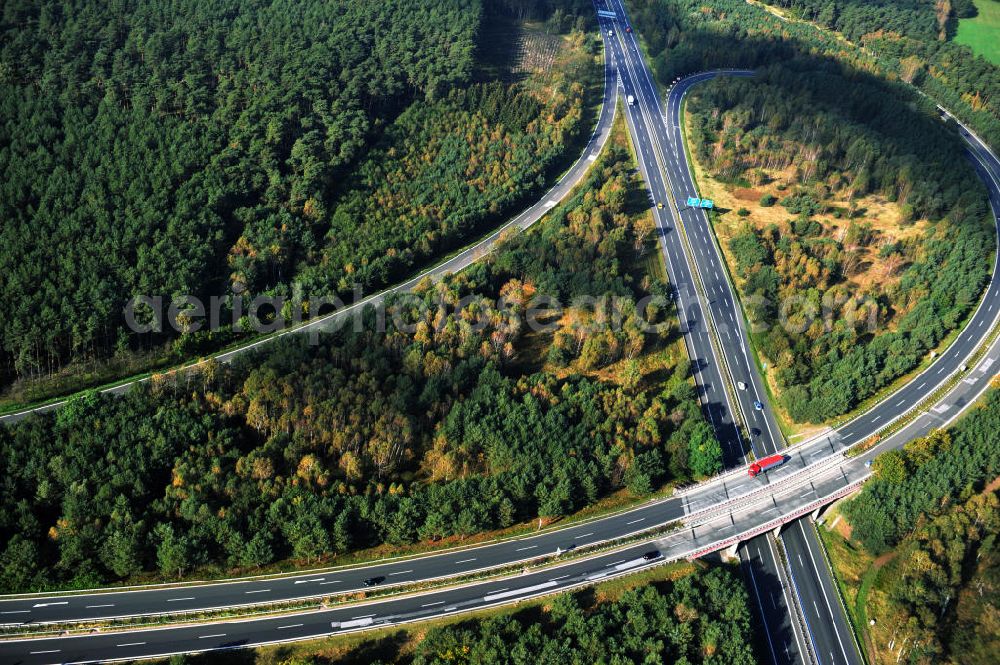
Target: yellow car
<point>659,204</point>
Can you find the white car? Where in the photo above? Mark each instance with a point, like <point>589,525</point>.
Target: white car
<point>611,33</point>
<point>741,385</point>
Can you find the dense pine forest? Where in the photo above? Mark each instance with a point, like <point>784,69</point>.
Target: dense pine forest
<point>894,39</point>
<point>927,475</point>
<point>702,618</point>
<point>922,557</point>
<point>206,147</point>
<point>441,428</point>
<point>866,238</point>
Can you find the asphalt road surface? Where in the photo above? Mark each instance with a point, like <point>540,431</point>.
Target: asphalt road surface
<point>728,509</point>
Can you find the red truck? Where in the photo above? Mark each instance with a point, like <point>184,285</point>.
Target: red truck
<point>765,464</point>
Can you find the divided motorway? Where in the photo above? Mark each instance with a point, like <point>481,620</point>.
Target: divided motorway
<point>719,494</point>
<point>716,514</point>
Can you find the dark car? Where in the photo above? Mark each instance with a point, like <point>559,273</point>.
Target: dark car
<point>652,555</point>
<point>628,28</point>
<point>373,581</point>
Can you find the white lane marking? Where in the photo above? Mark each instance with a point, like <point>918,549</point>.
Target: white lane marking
<point>402,572</point>
<point>518,592</point>
<point>465,561</point>
<point>635,521</point>
<point>94,607</point>
<point>130,644</point>
<point>876,419</point>
<point>35,653</point>
<point>259,591</point>
<point>330,582</point>
<point>17,612</point>
<point>921,385</point>
<point>208,637</point>
<point>558,578</point>
<point>584,535</point>
<point>617,562</point>
<point>901,402</point>
<point>317,579</point>
<point>526,548</point>
<point>177,600</point>
<point>440,602</point>
<point>64,602</point>
<point>291,625</point>
<point>363,616</point>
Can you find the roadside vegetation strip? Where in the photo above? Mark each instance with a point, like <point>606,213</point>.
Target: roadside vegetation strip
<point>337,600</point>
<point>855,633</point>
<point>856,610</point>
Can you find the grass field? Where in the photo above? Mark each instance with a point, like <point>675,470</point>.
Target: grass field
<point>982,33</point>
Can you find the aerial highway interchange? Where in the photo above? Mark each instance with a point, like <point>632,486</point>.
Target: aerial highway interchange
<point>716,515</point>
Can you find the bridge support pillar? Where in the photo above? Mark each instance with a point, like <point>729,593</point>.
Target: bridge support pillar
<point>776,531</point>
<point>730,552</point>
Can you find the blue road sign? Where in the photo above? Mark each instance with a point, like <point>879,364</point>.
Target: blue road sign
<point>693,202</point>
<point>707,203</point>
